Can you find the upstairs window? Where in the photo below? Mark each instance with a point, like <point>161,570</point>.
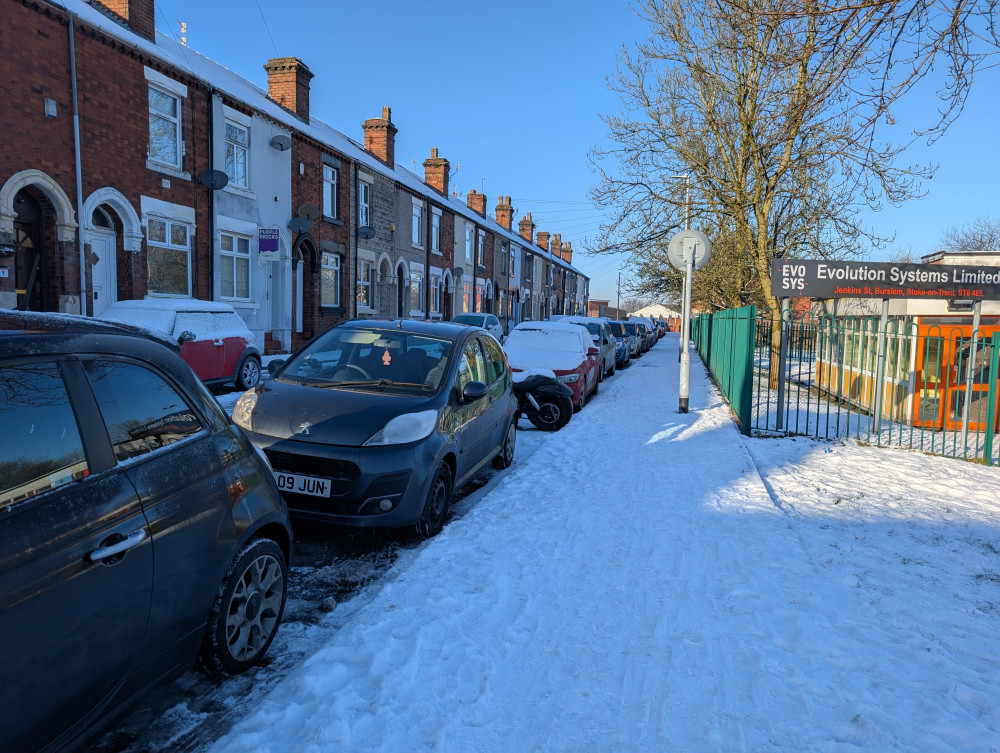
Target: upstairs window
<point>330,192</point>
<point>417,225</point>
<point>237,141</point>
<point>234,266</point>
<point>164,127</point>
<point>364,204</point>
<point>468,244</point>
<point>436,233</point>
<point>480,250</point>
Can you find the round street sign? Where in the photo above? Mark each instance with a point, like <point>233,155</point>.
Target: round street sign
<point>689,243</point>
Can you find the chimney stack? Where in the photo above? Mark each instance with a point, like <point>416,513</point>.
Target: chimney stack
<point>137,15</point>
<point>567,252</point>
<point>557,245</point>
<point>526,228</point>
<point>437,171</point>
<point>288,84</point>
<point>505,213</point>
<point>380,137</point>
<point>543,239</point>
<point>476,202</point>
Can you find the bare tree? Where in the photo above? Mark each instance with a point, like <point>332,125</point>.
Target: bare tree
<point>750,107</point>
<point>982,234</point>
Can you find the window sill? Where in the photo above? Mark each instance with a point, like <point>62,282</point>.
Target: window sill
<point>333,221</point>
<point>437,253</point>
<point>240,191</point>
<point>327,309</point>
<point>170,170</point>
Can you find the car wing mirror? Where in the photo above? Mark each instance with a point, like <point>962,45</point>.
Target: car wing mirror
<point>185,336</point>
<point>273,366</point>
<point>474,391</point>
<point>593,352</point>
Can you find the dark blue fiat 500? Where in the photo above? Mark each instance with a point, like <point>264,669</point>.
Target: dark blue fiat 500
<point>375,423</point>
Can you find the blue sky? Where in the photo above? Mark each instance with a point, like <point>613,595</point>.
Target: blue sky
<point>511,93</point>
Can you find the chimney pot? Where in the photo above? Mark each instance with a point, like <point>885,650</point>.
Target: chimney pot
<point>288,84</point>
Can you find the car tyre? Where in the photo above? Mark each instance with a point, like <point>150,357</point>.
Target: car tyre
<point>552,414</point>
<point>247,610</point>
<point>436,506</point>
<point>611,371</point>
<point>248,375</point>
<point>506,456</point>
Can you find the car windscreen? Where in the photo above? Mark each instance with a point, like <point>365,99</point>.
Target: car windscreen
<point>617,329</point>
<point>479,321</point>
<point>370,358</point>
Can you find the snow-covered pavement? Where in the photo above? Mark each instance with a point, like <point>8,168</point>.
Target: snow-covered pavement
<point>653,581</point>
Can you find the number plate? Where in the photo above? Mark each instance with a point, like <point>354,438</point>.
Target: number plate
<point>291,482</point>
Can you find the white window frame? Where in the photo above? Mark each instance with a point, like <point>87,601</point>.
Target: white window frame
<point>330,260</point>
<point>177,131</point>
<point>417,224</point>
<point>481,249</point>
<point>179,92</point>
<point>168,244</point>
<point>468,243</point>
<point>416,282</point>
<point>437,287</point>
<point>232,257</point>
<point>236,148</point>
<point>364,203</point>
<point>330,178</point>
<point>435,231</point>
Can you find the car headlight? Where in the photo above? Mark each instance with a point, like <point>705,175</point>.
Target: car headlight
<point>243,410</point>
<point>569,378</point>
<point>408,427</point>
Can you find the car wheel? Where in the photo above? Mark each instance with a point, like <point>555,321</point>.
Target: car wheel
<point>249,373</point>
<point>506,456</point>
<point>247,610</point>
<point>436,506</point>
<point>552,414</point>
<point>611,371</point>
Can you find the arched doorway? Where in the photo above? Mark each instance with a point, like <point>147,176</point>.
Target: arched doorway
<point>401,290</point>
<point>28,259</point>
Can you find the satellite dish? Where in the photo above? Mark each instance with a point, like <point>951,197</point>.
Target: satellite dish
<point>281,142</point>
<point>299,224</point>
<point>214,179</point>
<point>308,211</point>
<point>367,232</point>
<point>459,271</point>
<point>480,269</point>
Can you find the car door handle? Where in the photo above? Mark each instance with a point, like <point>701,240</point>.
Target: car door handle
<point>217,343</point>
<point>133,539</point>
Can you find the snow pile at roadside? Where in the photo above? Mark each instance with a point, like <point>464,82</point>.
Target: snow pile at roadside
<point>651,581</point>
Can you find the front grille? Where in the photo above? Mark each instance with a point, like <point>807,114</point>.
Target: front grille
<point>308,465</point>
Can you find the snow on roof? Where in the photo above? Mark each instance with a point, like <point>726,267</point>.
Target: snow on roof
<point>228,82</point>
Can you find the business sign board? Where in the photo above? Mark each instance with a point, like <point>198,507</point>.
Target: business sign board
<point>267,244</point>
<point>812,278</point>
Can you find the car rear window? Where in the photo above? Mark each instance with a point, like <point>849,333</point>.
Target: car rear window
<point>40,445</point>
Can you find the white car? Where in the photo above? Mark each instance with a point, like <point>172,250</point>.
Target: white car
<point>487,321</point>
<point>603,337</point>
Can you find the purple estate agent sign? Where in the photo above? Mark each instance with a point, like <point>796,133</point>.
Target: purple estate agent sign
<point>267,244</point>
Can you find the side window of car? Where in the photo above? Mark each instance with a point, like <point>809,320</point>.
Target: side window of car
<point>142,411</point>
<point>471,366</point>
<point>40,445</point>
<point>495,364</point>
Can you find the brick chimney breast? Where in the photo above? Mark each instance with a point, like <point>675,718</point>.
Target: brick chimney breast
<point>437,172</point>
<point>543,239</point>
<point>526,228</point>
<point>557,245</point>
<point>476,202</point>
<point>137,15</point>
<point>505,213</point>
<point>567,251</point>
<point>288,84</point>
<point>380,137</point>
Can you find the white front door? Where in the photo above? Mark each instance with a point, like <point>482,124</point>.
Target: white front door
<point>102,246</point>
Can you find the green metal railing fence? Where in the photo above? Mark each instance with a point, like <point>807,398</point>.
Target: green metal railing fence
<point>929,387</point>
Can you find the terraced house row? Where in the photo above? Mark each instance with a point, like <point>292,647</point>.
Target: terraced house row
<point>132,167</point>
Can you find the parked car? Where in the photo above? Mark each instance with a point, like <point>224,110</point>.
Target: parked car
<point>631,337</point>
<point>487,321</point>
<point>563,348</point>
<point>600,333</point>
<point>140,530</point>
<point>214,339</point>
<point>626,344</point>
<point>374,423</point>
<point>651,332</point>
<point>644,332</point>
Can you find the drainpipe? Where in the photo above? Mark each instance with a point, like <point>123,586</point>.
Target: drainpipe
<point>353,240</point>
<point>211,196</point>
<point>79,170</point>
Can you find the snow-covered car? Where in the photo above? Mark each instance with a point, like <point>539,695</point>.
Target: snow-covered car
<point>602,336</point>
<point>565,349</point>
<point>213,338</point>
<point>374,423</point>
<point>651,335</point>
<point>140,531</point>
<point>487,321</point>
<point>626,331</point>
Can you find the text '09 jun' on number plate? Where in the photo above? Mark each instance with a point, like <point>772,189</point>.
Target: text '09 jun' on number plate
<point>291,482</point>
